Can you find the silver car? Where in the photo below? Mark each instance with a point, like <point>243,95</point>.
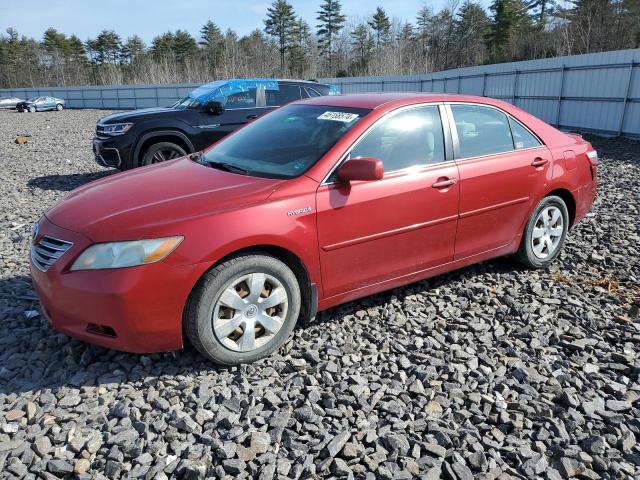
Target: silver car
<point>9,102</point>
<point>40,104</point>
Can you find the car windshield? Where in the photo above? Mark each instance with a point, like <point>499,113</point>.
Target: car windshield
<point>286,142</point>
<point>186,102</point>
<point>33,99</point>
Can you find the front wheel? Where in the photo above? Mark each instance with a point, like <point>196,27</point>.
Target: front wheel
<point>59,107</point>
<point>545,233</point>
<point>32,109</point>
<point>161,152</point>
<point>243,309</point>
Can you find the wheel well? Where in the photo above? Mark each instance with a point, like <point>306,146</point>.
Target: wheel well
<point>292,261</point>
<point>569,200</point>
<point>162,138</point>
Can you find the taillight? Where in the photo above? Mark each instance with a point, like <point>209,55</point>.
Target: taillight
<point>592,155</point>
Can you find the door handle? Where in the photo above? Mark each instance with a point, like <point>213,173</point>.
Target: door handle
<point>539,162</point>
<point>445,182</point>
<point>251,117</point>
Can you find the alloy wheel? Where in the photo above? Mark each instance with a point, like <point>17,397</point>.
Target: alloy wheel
<point>547,232</point>
<point>250,311</point>
<point>164,154</point>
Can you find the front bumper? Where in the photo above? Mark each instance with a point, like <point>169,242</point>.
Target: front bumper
<point>136,309</point>
<point>108,152</point>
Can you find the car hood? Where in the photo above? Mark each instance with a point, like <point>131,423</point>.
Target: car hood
<point>155,199</point>
<point>133,114</point>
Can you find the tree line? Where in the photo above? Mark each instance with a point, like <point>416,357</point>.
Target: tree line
<point>461,34</point>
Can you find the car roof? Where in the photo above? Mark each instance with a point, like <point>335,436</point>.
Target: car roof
<point>374,101</point>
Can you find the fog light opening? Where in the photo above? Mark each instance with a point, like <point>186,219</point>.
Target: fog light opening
<point>103,330</point>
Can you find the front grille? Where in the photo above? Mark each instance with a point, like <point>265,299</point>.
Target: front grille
<point>47,251</point>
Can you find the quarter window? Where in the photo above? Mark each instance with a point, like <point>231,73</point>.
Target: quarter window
<point>481,130</point>
<point>522,138</point>
<point>408,138</point>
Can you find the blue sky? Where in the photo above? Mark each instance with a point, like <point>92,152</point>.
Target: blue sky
<point>148,18</point>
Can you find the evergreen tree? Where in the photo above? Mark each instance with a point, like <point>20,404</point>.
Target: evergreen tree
<point>107,46</point>
<point>184,45</point>
<point>510,20</point>
<point>279,24</point>
<point>133,48</point>
<point>541,10</point>
<point>55,42</point>
<point>331,21</point>
<point>471,28</point>
<point>362,43</point>
<point>212,42</point>
<point>299,47</point>
<point>424,26</point>
<point>75,50</point>
<point>162,45</point>
<point>381,25</point>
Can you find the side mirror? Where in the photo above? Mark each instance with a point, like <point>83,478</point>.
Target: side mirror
<point>214,108</point>
<point>366,168</point>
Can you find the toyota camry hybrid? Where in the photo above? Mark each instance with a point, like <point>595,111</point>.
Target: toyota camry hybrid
<point>318,203</point>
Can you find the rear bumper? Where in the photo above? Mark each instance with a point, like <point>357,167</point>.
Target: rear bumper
<point>585,197</point>
<point>136,309</point>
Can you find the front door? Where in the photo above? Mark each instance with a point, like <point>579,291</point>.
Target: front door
<point>239,108</point>
<point>502,176</point>
<point>369,232</point>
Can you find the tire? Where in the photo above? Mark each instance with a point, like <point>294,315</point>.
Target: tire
<point>32,109</point>
<point>161,152</point>
<point>203,322</point>
<point>543,239</point>
<point>59,107</point>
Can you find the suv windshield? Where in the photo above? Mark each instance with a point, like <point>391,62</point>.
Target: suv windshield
<point>286,142</point>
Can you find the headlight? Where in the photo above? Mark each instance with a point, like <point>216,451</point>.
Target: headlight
<point>125,254</point>
<point>116,128</point>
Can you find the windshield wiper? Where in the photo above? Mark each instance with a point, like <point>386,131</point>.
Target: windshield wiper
<point>227,167</point>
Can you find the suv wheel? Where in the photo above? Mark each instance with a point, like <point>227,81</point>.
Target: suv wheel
<point>161,152</point>
<point>545,233</point>
<point>59,107</point>
<point>243,309</point>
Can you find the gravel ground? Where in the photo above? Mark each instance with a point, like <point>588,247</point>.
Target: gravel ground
<point>487,372</point>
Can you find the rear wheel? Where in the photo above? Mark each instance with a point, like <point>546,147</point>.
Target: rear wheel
<point>545,233</point>
<point>243,309</point>
<point>59,107</point>
<point>161,152</point>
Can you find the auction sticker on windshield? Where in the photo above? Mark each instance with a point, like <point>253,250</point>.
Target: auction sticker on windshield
<point>339,116</point>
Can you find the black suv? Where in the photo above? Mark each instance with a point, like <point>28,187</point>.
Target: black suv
<point>142,137</point>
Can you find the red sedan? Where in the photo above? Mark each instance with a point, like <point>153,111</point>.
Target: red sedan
<point>318,203</point>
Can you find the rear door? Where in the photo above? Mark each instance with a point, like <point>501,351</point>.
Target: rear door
<point>503,170</point>
<point>373,231</point>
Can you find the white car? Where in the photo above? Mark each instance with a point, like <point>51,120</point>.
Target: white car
<point>9,102</point>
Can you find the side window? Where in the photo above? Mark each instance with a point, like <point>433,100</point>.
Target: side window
<point>241,100</point>
<point>312,93</point>
<point>405,139</point>
<point>481,130</point>
<point>522,138</point>
<point>282,96</point>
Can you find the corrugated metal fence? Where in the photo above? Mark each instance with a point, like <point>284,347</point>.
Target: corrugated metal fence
<point>597,92</point>
<point>112,97</point>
